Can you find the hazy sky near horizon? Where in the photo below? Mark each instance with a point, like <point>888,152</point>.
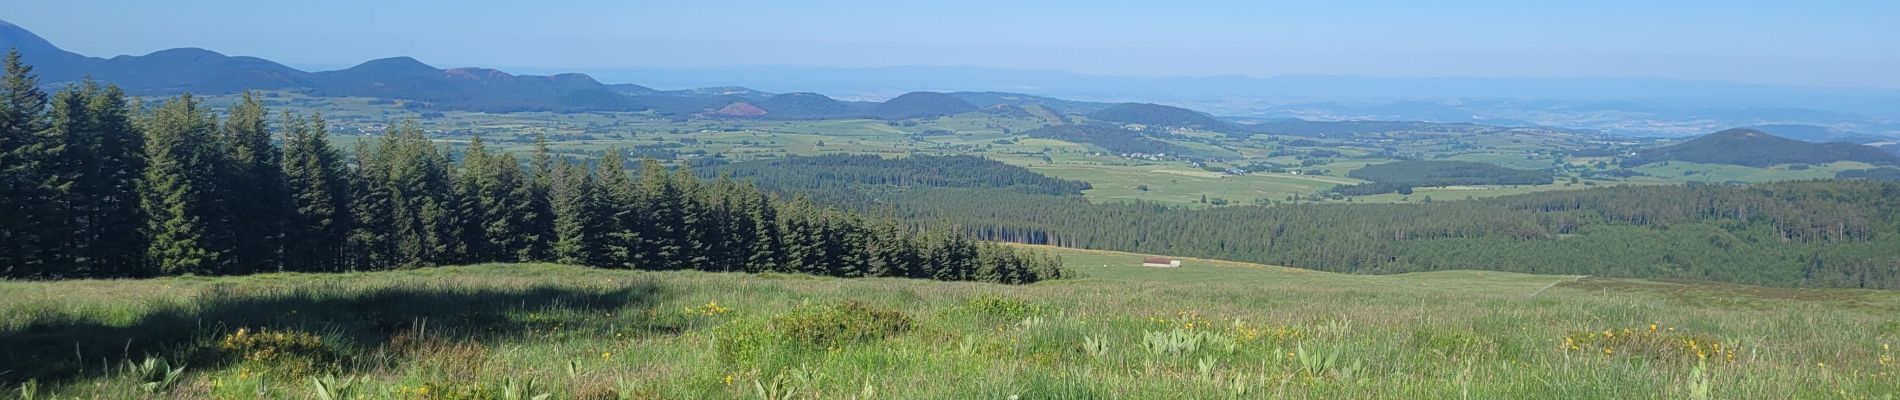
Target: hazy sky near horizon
<point>1815,42</point>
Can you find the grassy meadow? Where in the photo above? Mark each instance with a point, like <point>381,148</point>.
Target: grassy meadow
<point>1209,330</point>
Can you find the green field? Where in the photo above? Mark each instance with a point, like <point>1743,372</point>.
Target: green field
<point>1208,330</point>
<point>1116,179</point>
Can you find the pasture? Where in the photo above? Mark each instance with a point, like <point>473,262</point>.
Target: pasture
<point>1212,329</point>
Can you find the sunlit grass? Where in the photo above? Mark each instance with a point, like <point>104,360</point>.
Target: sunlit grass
<point>1209,330</point>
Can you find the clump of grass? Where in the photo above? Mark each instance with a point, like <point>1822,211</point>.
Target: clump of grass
<point>834,324</point>
<point>1002,308</point>
<point>279,353</point>
<point>1655,341</point>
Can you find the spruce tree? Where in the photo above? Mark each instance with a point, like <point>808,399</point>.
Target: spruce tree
<point>370,245</point>
<point>23,170</point>
<point>537,215</point>
<point>65,159</point>
<point>664,237</point>
<point>320,222</point>
<point>624,213</point>
<point>184,208</point>
<point>578,219</point>
<point>259,201</point>
<point>767,247</point>
<point>115,246</point>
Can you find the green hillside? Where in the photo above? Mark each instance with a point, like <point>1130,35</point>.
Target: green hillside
<point>1160,116</point>
<point>1402,176</point>
<point>1211,329</point>
<point>1754,148</point>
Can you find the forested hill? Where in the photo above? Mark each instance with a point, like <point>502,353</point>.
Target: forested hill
<point>922,105</point>
<point>1815,233</point>
<point>842,171</point>
<point>95,190</point>
<point>1402,176</point>
<point>1113,138</point>
<point>1755,148</point>
<point>1157,115</point>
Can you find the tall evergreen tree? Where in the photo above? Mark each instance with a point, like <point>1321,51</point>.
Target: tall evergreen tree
<point>766,251</point>
<point>624,213</point>
<point>113,242</point>
<point>665,237</point>
<point>259,201</point>
<point>579,221</point>
<point>181,200</point>
<point>426,230</point>
<point>24,170</point>
<point>320,221</point>
<point>371,243</point>
<point>537,214</point>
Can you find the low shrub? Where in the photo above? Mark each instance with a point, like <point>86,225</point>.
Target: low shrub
<point>1003,308</point>
<point>839,323</point>
<point>280,354</point>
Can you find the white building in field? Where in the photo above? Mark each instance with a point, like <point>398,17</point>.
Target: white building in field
<point>1160,262</point>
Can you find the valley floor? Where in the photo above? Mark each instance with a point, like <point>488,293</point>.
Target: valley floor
<point>1210,329</point>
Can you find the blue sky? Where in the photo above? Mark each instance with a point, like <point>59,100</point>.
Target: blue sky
<point>1817,42</point>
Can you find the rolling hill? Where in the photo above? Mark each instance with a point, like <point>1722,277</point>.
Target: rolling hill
<point>1353,128</point>
<point>810,106</point>
<point>1754,148</point>
<point>987,99</point>
<point>1402,176</point>
<point>1161,116</point>
<point>1113,138</point>
<point>922,105</point>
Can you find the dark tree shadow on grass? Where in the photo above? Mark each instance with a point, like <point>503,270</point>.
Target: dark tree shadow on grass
<point>58,348</point>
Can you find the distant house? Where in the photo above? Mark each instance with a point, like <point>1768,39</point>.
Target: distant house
<point>1161,262</point>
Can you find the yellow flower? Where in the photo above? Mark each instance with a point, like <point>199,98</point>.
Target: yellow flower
<point>606,354</point>
<point>1652,327</point>
<point>423,390</point>
<point>1607,351</point>
<point>728,379</point>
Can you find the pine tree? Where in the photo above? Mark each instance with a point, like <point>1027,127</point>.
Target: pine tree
<point>623,213</point>
<point>114,244</point>
<point>181,200</point>
<point>664,238</point>
<point>473,209</point>
<point>426,230</point>
<point>370,245</point>
<point>696,221</point>
<point>23,171</point>
<point>65,160</point>
<point>320,221</point>
<point>259,201</point>
<point>500,197</point>
<point>767,247</point>
<point>537,215</point>
<point>580,219</point>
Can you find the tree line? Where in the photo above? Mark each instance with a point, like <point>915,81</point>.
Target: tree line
<point>839,171</point>
<point>1813,233</point>
<point>93,186</point>
<point>1402,176</point>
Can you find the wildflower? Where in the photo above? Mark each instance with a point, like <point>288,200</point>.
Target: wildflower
<point>606,354</point>
<point>1652,327</point>
<point>728,379</point>
<point>422,391</point>
<point>1608,352</point>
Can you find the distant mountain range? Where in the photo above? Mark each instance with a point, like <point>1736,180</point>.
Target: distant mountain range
<point>1285,105</point>
<point>1754,148</point>
<point>475,89</point>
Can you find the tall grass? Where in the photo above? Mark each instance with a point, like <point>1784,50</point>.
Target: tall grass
<point>1211,330</point>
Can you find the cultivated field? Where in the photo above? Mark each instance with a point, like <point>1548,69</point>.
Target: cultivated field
<point>1209,330</point>
<point>1116,179</point>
